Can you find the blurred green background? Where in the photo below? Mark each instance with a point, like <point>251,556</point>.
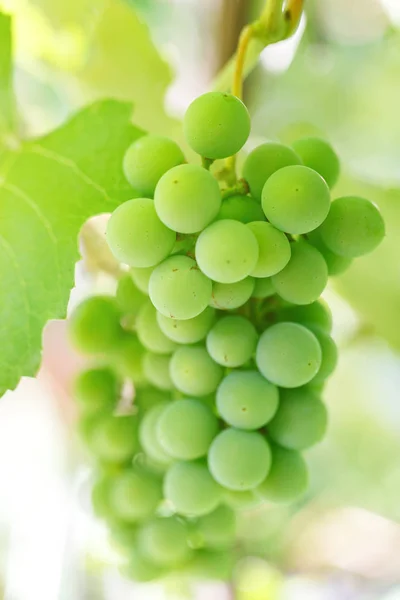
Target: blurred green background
<point>339,77</point>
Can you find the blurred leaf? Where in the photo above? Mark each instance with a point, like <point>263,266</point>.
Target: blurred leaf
<point>47,192</point>
<point>7,108</point>
<point>123,62</point>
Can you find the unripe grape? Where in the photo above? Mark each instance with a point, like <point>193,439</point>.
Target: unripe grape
<point>319,155</point>
<point>288,477</point>
<point>136,235</point>
<point>97,389</point>
<point>296,199</point>
<point>263,161</point>
<point>147,159</point>
<point>178,289</point>
<point>353,227</point>
<point>216,125</point>
<point>289,355</point>
<point>239,460</point>
<point>187,198</point>
<point>94,325</point>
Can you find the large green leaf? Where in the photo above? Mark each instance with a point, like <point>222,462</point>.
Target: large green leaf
<point>47,191</point>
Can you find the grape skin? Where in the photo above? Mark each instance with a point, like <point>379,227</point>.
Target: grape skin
<point>289,355</point>
<point>190,489</point>
<point>354,227</point>
<point>239,460</point>
<point>227,296</point>
<point>193,371</point>
<point>232,341</point>
<point>274,249</point>
<point>263,288</point>
<point>94,325</point>
<point>136,236</point>
<point>186,429</point>
<point>148,434</point>
<point>241,208</point>
<point>287,479</point>
<point>135,494</point>
<point>227,251</point>
<point>178,289</point>
<point>305,276</point>
<point>156,370</point>
<point>187,199</point>
<point>96,390</point>
<point>263,161</point>
<point>164,542</point>
<point>188,331</point>
<point>319,155</point>
<point>296,199</point>
<point>147,159</point>
<point>218,529</point>
<point>246,400</point>
<point>301,420</point>
<point>216,125</point>
<point>149,332</point>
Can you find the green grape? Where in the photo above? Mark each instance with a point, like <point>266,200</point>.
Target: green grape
<point>274,249</point>
<point>296,199</point>
<point>156,370</point>
<point>94,325</point>
<point>147,159</point>
<point>188,331</point>
<point>164,542</point>
<point>216,125</point>
<point>227,296</point>
<point>329,355</point>
<point>101,497</point>
<point>148,434</point>
<point>320,156</point>
<point>97,389</point>
<point>227,251</point>
<point>178,289</point>
<point>336,264</point>
<point>305,276</point>
<point>187,198</point>
<point>123,535</point>
<point>193,372</point>
<point>240,500</point>
<point>239,460</point>
<point>128,358</point>
<point>141,278</point>
<point>190,489</point>
<point>232,341</point>
<point>186,428</point>
<point>147,397</point>
<point>136,235</point>
<point>149,332</point>
<point>247,400</point>
<point>288,477</point>
<point>301,420</point>
<point>263,288</point>
<point>316,314</point>
<point>141,570</point>
<point>241,208</point>
<point>135,495</point>
<point>353,227</point>
<point>129,297</point>
<point>218,529</point>
<point>288,354</point>
<point>212,565</point>
<point>115,438</point>
<point>263,161</point>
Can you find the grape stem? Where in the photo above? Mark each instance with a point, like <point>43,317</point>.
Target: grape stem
<point>241,188</point>
<point>275,23</point>
<point>206,162</point>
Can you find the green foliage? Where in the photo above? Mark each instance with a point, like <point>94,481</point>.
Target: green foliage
<point>49,187</point>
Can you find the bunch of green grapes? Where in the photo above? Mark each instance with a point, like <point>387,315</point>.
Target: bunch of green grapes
<point>219,324</point>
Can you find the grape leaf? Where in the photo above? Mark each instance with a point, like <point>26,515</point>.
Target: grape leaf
<point>48,188</point>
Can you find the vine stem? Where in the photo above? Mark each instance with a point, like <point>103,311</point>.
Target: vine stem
<point>273,25</point>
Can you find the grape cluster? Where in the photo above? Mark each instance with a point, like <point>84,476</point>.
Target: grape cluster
<point>219,325</point>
